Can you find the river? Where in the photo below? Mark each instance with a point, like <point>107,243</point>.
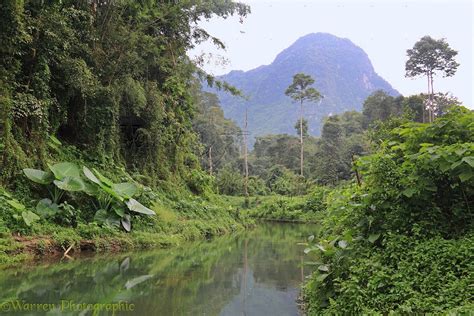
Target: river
<point>255,273</point>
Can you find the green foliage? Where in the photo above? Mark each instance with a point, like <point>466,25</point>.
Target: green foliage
<point>229,181</point>
<point>112,79</point>
<point>429,55</point>
<point>401,243</point>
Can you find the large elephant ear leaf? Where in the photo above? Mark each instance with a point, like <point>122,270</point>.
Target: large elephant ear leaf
<point>46,208</point>
<point>65,169</point>
<point>101,216</point>
<point>126,189</point>
<point>135,206</point>
<point>39,176</point>
<point>90,175</point>
<point>90,189</point>
<point>70,184</point>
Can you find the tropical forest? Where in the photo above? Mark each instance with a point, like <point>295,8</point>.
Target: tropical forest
<point>139,176</point>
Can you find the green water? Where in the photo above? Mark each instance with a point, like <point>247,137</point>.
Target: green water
<point>256,273</point>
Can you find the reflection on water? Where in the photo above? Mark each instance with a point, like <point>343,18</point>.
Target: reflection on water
<point>256,273</point>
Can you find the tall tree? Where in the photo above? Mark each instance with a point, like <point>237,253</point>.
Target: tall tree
<point>301,92</point>
<point>426,58</point>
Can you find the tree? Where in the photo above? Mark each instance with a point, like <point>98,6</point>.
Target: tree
<point>426,58</point>
<point>379,106</point>
<point>301,92</point>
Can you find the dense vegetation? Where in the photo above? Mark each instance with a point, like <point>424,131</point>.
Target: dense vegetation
<point>98,122</point>
<point>403,240</point>
<point>108,141</point>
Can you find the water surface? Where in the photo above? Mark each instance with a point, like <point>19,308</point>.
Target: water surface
<point>255,273</point>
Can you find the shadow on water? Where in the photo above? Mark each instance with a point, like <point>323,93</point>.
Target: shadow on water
<point>255,273</point>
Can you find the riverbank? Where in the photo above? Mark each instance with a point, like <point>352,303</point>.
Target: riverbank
<point>180,218</point>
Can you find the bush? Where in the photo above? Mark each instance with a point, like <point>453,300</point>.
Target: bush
<point>403,242</point>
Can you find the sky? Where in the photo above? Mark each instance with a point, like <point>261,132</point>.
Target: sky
<point>384,29</point>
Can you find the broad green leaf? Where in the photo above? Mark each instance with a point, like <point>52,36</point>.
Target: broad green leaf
<point>465,176</point>
<point>373,238</point>
<point>469,160</point>
<point>311,238</point>
<point>307,250</point>
<point>125,189</point>
<point>456,164</point>
<point>39,176</point>
<point>16,205</point>
<point>29,217</point>
<point>89,175</point>
<point>90,189</point>
<point>46,208</point>
<point>322,277</point>
<point>113,221</point>
<point>72,184</point>
<point>101,216</point>
<point>126,224</point>
<point>134,205</point>
<point>119,211</point>
<point>65,169</point>
<point>409,192</point>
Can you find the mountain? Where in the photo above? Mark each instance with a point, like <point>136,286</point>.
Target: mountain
<point>342,71</point>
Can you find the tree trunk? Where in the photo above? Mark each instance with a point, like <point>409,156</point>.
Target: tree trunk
<point>246,180</point>
<point>210,160</point>
<point>301,139</point>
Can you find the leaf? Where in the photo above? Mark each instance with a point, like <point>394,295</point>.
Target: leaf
<point>133,282</point>
<point>113,221</point>
<point>465,176</point>
<point>323,267</point>
<point>409,192</point>
<point>29,217</point>
<point>126,224</point>
<point>69,183</point>
<point>307,250</point>
<point>125,189</point>
<point>134,205</point>
<point>322,277</point>
<point>311,238</point>
<point>342,244</point>
<point>119,211</point>
<point>469,160</point>
<point>373,238</point>
<point>46,208</point>
<point>38,176</point>
<point>90,189</point>
<point>89,175</point>
<point>16,205</point>
<point>100,216</point>
<point>55,140</point>
<point>65,169</point>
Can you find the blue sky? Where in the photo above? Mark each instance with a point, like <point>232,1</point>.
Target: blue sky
<point>385,29</point>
